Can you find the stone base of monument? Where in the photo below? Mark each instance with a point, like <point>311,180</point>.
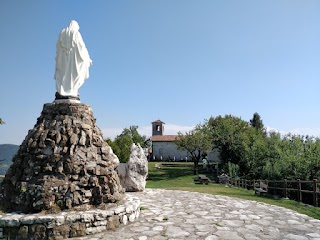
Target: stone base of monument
<point>63,163</point>
<point>65,170</point>
<point>69,223</point>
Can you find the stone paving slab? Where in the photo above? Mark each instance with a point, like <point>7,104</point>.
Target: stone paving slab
<point>168,214</point>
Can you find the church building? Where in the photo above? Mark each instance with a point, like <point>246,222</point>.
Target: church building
<point>164,147</point>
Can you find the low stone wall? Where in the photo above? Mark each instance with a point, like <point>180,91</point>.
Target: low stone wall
<point>67,224</point>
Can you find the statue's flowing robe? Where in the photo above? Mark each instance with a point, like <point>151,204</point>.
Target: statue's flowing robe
<point>72,61</point>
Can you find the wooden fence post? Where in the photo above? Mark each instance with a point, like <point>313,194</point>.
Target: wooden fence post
<point>299,191</point>
<point>315,194</point>
<point>285,191</point>
<point>274,188</point>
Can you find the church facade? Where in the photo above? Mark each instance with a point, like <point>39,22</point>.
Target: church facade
<point>164,147</point>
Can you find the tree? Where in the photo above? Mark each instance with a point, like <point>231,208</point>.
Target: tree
<point>122,143</point>
<point>297,157</point>
<point>255,152</point>
<point>1,121</point>
<point>239,144</point>
<point>256,122</point>
<point>197,142</point>
<point>227,134</point>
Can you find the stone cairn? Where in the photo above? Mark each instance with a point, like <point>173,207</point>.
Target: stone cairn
<point>63,163</point>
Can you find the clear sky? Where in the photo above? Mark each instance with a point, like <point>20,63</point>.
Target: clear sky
<point>179,61</point>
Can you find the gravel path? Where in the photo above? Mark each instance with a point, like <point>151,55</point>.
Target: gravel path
<point>168,214</point>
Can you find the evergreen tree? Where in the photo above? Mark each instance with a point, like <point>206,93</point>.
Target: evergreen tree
<point>256,122</point>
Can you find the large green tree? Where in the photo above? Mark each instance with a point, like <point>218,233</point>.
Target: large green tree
<point>197,142</point>
<point>239,144</point>
<point>1,121</point>
<point>227,135</point>
<point>122,143</point>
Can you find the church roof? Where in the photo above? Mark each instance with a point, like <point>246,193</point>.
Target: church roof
<point>158,121</point>
<point>164,138</point>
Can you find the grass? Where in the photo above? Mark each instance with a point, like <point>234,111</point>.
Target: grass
<point>182,178</point>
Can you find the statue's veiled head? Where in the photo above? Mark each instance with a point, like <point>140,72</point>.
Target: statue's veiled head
<point>73,26</point>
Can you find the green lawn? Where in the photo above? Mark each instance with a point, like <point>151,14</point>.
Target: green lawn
<point>182,178</point>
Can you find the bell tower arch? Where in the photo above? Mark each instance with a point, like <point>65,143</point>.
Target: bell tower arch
<point>157,127</point>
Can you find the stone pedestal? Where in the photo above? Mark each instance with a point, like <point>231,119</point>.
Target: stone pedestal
<point>63,163</point>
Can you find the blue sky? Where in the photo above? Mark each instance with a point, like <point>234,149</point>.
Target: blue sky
<point>180,61</point>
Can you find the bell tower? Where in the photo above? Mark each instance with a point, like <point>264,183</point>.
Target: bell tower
<point>157,127</point>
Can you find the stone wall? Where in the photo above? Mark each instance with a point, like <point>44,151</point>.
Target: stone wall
<point>68,224</point>
<point>63,163</point>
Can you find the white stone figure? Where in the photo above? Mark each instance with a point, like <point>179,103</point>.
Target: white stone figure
<point>137,170</point>
<point>72,61</point>
<point>133,175</point>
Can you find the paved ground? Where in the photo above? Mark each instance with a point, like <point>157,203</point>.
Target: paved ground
<point>185,215</point>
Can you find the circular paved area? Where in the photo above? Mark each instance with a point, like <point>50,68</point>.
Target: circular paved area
<point>167,214</point>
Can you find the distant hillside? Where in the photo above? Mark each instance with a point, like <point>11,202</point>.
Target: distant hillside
<point>7,151</point>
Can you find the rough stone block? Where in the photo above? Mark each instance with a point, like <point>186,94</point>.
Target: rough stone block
<point>94,230</point>
<point>87,217</point>
<point>27,220</point>
<point>124,219</point>
<point>77,229</point>
<point>62,231</point>
<point>59,220</point>
<point>10,221</point>
<point>73,217</point>
<point>137,213</point>
<point>113,222</point>
<point>38,231</point>
<point>23,231</point>
<point>101,215</point>
<point>133,175</point>
<point>100,223</point>
<point>132,217</point>
<point>119,209</point>
<point>129,209</point>
<point>44,219</point>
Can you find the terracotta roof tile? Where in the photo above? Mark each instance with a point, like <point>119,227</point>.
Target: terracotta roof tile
<point>164,138</point>
<point>158,121</point>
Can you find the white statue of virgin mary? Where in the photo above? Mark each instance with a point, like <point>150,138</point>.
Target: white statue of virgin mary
<point>72,61</point>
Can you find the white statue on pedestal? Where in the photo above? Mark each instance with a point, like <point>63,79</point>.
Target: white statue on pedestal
<point>72,61</point>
